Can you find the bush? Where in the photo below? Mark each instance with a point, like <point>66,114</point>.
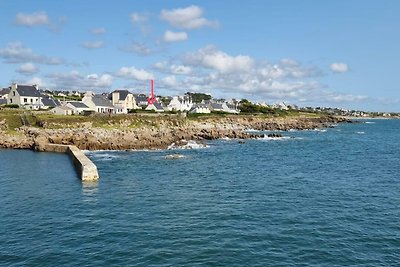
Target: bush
<point>11,106</point>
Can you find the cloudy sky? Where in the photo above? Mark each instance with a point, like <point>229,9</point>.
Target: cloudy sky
<point>342,53</point>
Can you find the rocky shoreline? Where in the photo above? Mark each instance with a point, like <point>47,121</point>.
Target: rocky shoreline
<point>157,134</point>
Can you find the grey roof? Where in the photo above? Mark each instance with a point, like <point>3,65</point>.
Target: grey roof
<point>140,98</point>
<point>122,94</point>
<point>78,104</point>
<point>28,90</point>
<point>4,91</point>
<point>102,101</point>
<point>158,106</point>
<point>230,106</point>
<point>216,106</point>
<point>50,101</point>
<point>3,101</point>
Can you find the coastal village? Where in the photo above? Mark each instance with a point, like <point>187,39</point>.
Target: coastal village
<point>122,101</point>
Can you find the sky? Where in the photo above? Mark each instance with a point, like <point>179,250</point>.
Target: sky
<point>336,53</point>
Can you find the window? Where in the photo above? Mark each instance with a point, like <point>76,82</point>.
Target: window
<point>25,100</point>
<point>14,93</point>
<point>31,100</point>
<point>10,100</point>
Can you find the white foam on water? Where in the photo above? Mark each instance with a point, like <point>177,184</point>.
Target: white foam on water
<point>360,132</point>
<point>267,138</point>
<point>251,131</point>
<point>370,122</point>
<point>189,145</point>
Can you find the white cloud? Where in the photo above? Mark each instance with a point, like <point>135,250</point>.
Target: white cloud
<point>170,36</point>
<point>36,80</point>
<point>138,18</point>
<point>169,81</point>
<point>33,19</point>
<point>134,73</point>
<point>98,31</point>
<point>187,18</point>
<point>172,68</point>
<point>211,57</point>
<point>16,52</point>
<point>93,44</point>
<point>138,48</point>
<point>28,68</point>
<point>339,67</point>
<point>75,81</point>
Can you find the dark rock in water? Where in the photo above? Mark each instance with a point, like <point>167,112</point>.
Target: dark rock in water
<point>274,135</point>
<point>241,142</point>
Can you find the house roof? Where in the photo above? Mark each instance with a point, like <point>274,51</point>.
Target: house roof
<point>3,101</point>
<point>140,98</point>
<point>158,106</point>
<point>101,101</point>
<point>28,90</point>
<point>216,106</point>
<point>50,101</point>
<point>78,104</point>
<point>122,94</point>
<point>4,91</point>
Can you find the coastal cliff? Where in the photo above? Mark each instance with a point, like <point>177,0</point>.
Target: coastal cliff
<point>148,132</point>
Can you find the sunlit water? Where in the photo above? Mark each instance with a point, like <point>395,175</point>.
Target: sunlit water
<point>319,198</point>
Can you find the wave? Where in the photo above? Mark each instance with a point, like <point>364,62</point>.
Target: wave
<point>370,122</point>
<point>269,138</point>
<point>360,132</point>
<point>251,131</point>
<point>189,145</point>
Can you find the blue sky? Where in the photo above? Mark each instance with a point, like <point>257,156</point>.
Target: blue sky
<point>318,53</point>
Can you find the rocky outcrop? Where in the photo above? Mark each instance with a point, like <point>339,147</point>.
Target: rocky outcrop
<point>151,135</point>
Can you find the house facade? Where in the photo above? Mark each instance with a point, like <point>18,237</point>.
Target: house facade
<point>77,107</point>
<point>4,93</point>
<point>180,103</point>
<point>123,101</point>
<point>26,96</point>
<point>98,103</point>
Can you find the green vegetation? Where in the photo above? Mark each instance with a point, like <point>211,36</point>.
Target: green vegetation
<point>10,119</point>
<point>11,106</point>
<point>198,97</point>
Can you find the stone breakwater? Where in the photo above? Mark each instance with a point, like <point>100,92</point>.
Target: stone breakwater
<point>157,134</point>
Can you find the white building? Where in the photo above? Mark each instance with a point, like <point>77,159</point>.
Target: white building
<point>200,108</point>
<point>26,96</point>
<point>123,101</point>
<point>180,103</point>
<point>62,110</point>
<point>157,107</point>
<point>98,103</point>
<point>77,107</point>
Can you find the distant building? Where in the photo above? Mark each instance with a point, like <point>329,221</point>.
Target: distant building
<point>77,107</point>
<point>141,100</point>
<point>180,103</point>
<point>123,101</point>
<point>200,109</point>
<point>62,110</point>
<point>47,102</point>
<point>98,103</point>
<point>4,93</point>
<point>156,106</point>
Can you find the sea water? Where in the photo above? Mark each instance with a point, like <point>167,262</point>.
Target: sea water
<point>313,198</point>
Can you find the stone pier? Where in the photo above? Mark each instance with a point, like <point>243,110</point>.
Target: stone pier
<point>86,169</point>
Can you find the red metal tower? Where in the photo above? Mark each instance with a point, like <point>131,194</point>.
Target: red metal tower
<point>152,98</point>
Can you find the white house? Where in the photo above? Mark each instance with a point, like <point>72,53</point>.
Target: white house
<point>157,107</point>
<point>141,100</point>
<point>180,103</point>
<point>98,103</point>
<point>62,110</point>
<point>24,95</point>
<point>200,108</point>
<point>123,101</point>
<point>77,107</point>
<point>4,93</point>
<point>46,102</point>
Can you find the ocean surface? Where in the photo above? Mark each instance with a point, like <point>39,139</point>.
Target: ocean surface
<point>314,198</point>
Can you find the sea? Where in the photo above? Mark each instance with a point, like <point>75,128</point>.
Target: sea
<point>326,197</point>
